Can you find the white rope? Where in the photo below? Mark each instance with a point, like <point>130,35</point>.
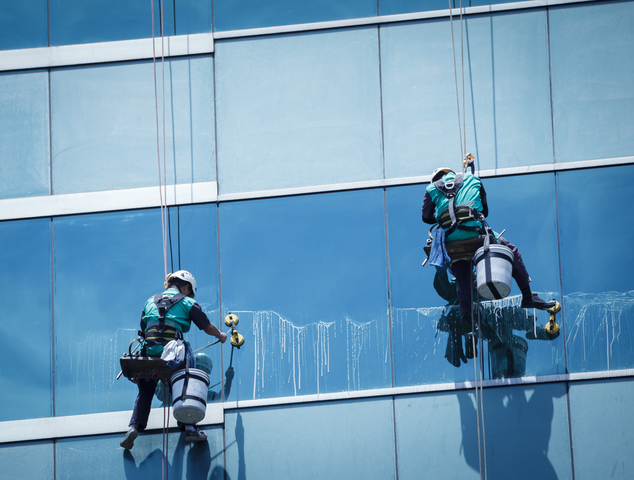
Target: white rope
<point>484,437</point>
<point>164,211</point>
<point>455,74</point>
<point>475,369</point>
<point>162,182</point>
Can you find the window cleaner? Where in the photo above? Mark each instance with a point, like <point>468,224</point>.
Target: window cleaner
<point>166,316</point>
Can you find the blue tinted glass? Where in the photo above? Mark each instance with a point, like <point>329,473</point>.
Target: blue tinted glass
<point>239,14</point>
<point>325,430</point>
<point>23,24</point>
<point>198,253</point>
<point>24,134</point>
<point>101,458</point>
<point>106,267</point>
<point>33,460</point>
<point>420,332</point>
<point>526,432</point>
<point>77,21</point>
<point>506,91</point>
<point>307,278</point>
<point>416,307</point>
<point>602,410</point>
<point>105,125</point>
<point>592,72</point>
<point>297,110</point>
<point>391,7</point>
<point>525,206</point>
<point>597,268</point>
<point>192,16</point>
<point>25,339</point>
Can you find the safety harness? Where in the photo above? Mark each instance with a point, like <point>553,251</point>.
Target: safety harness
<point>161,332</point>
<point>455,216</point>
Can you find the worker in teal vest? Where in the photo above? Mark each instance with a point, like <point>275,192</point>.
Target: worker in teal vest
<point>166,316</point>
<point>458,203</point>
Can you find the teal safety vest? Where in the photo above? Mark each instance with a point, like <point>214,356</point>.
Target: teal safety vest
<point>466,201</point>
<point>176,321</point>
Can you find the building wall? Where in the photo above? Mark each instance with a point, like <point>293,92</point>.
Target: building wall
<point>318,140</point>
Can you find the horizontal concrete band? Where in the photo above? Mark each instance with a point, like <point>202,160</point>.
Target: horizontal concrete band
<point>107,201</point>
<point>195,44</point>
<point>105,52</point>
<point>191,193</point>
<point>92,424</point>
<point>116,422</point>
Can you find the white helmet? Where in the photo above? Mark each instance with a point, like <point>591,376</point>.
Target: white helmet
<point>185,276</point>
<point>437,173</point>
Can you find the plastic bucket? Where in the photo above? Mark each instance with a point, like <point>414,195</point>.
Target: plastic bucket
<point>494,266</point>
<point>508,361</point>
<point>189,391</point>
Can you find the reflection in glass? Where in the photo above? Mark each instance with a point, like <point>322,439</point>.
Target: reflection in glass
<point>308,434</point>
<point>25,332</point>
<point>597,261</point>
<point>307,278</point>
<point>239,14</point>
<point>106,267</point>
<point>427,346</point>
<point>105,460</point>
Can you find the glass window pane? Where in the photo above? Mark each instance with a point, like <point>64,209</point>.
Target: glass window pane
<point>316,437</point>
<point>597,268</point>
<point>24,134</point>
<point>239,14</point>
<point>307,278</point>
<point>298,110</point>
<point>192,16</point>
<point>33,460</point>
<point>526,432</point>
<point>592,76</point>
<point>601,411</point>
<point>23,24</point>
<point>506,91</point>
<point>421,333</point>
<point>25,334</point>
<point>391,7</point>
<point>106,267</point>
<point>101,458</point>
<point>77,21</point>
<point>105,126</point>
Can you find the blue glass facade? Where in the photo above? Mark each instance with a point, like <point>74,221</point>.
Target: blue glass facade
<point>320,145</point>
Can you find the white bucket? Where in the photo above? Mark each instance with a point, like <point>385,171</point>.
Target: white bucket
<point>494,266</point>
<point>189,391</point>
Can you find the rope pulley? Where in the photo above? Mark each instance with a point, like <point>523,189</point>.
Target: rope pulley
<point>231,321</point>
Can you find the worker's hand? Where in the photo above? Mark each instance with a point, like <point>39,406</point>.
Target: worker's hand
<point>230,373</point>
<point>222,337</point>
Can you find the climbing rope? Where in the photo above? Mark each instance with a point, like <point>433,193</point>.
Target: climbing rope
<point>461,124</point>
<point>475,372</point>
<point>163,180</point>
<point>466,159</point>
<point>481,406</point>
<point>162,183</point>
